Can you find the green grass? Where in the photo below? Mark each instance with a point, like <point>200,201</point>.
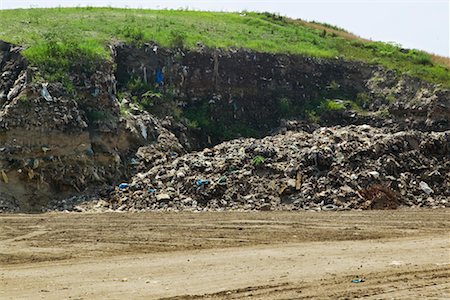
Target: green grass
<point>61,39</point>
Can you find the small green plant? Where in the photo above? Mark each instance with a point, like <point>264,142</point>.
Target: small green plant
<point>334,86</point>
<point>258,160</point>
<point>149,99</point>
<point>133,33</point>
<point>137,86</point>
<point>383,113</point>
<point>124,110</point>
<point>192,124</point>
<point>284,105</point>
<point>391,98</point>
<point>312,116</point>
<point>333,105</point>
<point>420,57</point>
<point>23,99</point>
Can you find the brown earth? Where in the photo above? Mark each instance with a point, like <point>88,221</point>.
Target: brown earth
<point>272,255</point>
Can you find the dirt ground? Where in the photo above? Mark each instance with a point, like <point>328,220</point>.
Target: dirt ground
<point>402,254</point>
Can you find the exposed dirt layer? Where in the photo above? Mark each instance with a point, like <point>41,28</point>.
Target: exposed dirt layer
<point>277,255</point>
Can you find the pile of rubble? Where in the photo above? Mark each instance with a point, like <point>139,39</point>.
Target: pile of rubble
<point>332,168</point>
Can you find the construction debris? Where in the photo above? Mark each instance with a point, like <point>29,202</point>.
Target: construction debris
<point>335,168</point>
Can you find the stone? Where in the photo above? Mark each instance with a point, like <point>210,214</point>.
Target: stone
<point>163,197</point>
<point>374,174</point>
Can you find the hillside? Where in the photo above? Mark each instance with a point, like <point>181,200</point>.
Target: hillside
<point>57,38</point>
<point>156,110</point>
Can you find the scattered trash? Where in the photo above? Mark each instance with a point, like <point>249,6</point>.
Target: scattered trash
<point>89,152</point>
<point>45,93</point>
<point>299,172</point>
<point>4,177</point>
<point>359,280</point>
<point>201,182</point>
<point>143,129</point>
<point>426,188</point>
<point>163,197</point>
<point>396,263</point>
<point>320,168</point>
<point>159,77</point>
<point>123,186</point>
<point>222,180</point>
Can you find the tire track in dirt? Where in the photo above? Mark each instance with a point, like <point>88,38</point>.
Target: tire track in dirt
<point>213,271</point>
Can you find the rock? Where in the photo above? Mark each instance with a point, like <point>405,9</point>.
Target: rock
<point>374,174</point>
<point>163,197</point>
<point>265,207</point>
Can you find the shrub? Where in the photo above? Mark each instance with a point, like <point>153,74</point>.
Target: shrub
<point>333,105</point>
<point>134,33</point>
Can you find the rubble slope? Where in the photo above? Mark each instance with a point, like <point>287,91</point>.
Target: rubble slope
<point>333,168</point>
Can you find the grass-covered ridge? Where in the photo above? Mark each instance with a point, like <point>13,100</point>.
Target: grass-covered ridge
<point>56,38</point>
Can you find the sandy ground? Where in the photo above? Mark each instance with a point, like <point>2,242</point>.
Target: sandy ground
<point>402,254</point>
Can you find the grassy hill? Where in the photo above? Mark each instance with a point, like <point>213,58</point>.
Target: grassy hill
<point>56,38</point>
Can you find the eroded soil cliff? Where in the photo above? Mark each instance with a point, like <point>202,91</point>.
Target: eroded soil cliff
<point>61,143</point>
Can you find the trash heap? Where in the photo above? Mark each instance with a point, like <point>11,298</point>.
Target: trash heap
<point>332,168</point>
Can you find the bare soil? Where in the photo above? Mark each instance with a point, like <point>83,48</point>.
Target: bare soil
<point>401,254</point>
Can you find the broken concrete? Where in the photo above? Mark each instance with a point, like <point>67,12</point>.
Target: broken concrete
<point>331,168</point>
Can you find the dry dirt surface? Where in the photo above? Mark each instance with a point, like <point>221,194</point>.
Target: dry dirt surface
<point>402,254</point>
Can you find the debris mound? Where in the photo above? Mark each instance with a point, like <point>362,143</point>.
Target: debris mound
<point>332,168</point>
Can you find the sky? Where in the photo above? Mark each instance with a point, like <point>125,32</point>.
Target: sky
<point>420,24</point>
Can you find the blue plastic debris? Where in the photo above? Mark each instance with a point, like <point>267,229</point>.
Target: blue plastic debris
<point>151,191</point>
<point>89,152</point>
<point>201,182</point>
<point>95,92</point>
<point>123,186</point>
<point>358,280</point>
<point>159,77</point>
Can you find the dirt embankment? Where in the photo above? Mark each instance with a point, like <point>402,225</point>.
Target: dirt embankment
<point>277,255</point>
<point>58,142</point>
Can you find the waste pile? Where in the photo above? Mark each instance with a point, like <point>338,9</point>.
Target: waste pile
<point>330,168</point>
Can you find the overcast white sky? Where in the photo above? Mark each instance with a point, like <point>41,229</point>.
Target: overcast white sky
<point>421,24</point>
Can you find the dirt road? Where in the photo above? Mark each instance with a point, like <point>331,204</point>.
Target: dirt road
<point>277,255</point>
